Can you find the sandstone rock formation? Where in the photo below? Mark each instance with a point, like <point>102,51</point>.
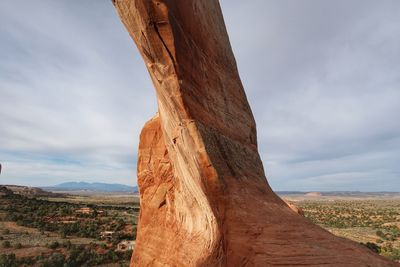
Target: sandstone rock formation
<point>294,207</point>
<point>205,200</point>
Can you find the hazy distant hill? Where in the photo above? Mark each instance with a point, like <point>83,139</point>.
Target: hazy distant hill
<point>339,194</point>
<point>28,191</point>
<point>98,187</point>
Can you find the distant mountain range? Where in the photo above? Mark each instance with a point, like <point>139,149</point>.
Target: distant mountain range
<point>98,187</point>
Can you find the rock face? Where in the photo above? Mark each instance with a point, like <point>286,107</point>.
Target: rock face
<point>205,200</point>
<point>293,207</point>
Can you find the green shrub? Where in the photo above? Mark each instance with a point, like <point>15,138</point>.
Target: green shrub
<point>55,260</point>
<point>372,246</point>
<point>27,261</point>
<point>6,232</point>
<point>380,233</point>
<point>8,260</point>
<point>7,244</point>
<point>67,244</point>
<point>54,245</point>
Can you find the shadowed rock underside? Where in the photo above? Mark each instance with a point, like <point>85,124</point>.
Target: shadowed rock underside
<point>205,200</point>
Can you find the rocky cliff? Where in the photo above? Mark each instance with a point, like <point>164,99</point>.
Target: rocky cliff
<point>205,200</point>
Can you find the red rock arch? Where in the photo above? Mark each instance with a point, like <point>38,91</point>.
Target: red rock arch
<point>205,200</point>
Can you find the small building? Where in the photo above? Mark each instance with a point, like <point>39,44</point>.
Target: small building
<point>126,245</point>
<point>106,234</point>
<point>88,211</point>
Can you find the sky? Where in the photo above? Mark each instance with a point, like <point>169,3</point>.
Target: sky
<point>322,78</point>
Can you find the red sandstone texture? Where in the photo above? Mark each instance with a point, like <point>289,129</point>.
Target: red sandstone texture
<point>205,200</point>
<point>293,207</point>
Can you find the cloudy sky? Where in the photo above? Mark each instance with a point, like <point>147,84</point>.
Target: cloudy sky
<point>322,77</point>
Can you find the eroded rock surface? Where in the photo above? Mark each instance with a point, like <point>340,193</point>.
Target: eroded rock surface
<point>293,207</point>
<point>205,200</point>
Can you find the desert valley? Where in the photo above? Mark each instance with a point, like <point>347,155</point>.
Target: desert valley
<point>92,228</point>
